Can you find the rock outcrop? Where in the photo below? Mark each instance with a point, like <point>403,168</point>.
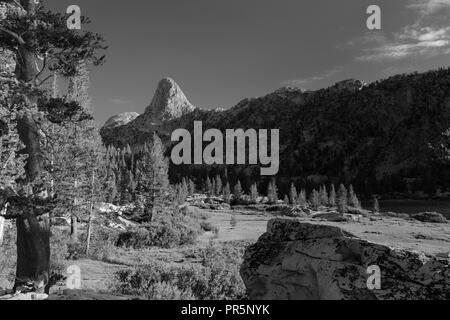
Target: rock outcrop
<point>296,260</point>
<point>168,103</point>
<point>120,120</point>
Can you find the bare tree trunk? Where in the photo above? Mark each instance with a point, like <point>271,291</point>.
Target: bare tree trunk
<point>2,224</point>
<point>74,228</point>
<point>73,217</point>
<point>91,209</point>
<point>153,198</point>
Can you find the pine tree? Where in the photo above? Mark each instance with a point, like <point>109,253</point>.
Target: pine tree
<point>185,188</point>
<point>315,200</point>
<point>208,186</point>
<point>192,187</point>
<point>70,146</point>
<point>181,193</point>
<point>350,195</point>
<point>332,198</point>
<point>353,198</point>
<point>301,199</point>
<point>11,164</point>
<point>238,191</point>
<point>111,186</point>
<point>219,186</point>
<point>153,182</point>
<point>293,194</point>
<point>272,192</point>
<point>227,193</point>
<point>342,199</point>
<point>98,186</point>
<point>286,200</point>
<point>254,193</point>
<point>213,187</point>
<point>376,205</point>
<point>324,200</point>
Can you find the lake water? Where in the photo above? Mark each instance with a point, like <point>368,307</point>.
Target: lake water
<point>413,206</point>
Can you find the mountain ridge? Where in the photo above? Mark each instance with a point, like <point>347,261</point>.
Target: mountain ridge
<point>382,135</point>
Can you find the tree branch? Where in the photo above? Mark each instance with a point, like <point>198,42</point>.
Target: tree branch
<point>17,204</point>
<point>43,81</point>
<point>13,34</point>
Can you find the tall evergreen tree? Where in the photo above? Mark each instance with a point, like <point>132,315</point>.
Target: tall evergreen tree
<point>324,200</point>
<point>315,199</point>
<point>153,181</point>
<point>191,187</point>
<point>332,198</point>
<point>272,192</point>
<point>213,187</point>
<point>185,187</point>
<point>350,195</point>
<point>293,194</point>
<point>12,164</point>
<point>376,205</point>
<point>342,199</point>
<point>254,193</point>
<point>219,185</point>
<point>227,193</point>
<point>301,199</point>
<point>238,191</point>
<point>208,187</point>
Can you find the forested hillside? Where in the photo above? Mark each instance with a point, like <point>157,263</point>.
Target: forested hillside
<point>385,137</point>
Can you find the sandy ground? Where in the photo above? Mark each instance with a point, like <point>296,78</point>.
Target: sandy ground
<point>429,238</point>
<point>249,227</point>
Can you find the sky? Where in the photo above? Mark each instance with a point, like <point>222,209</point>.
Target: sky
<point>222,51</point>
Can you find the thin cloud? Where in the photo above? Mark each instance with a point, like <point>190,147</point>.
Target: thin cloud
<point>428,36</point>
<point>305,81</point>
<point>427,7</point>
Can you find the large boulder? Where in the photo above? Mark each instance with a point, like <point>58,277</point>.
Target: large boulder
<point>296,260</point>
<point>430,217</point>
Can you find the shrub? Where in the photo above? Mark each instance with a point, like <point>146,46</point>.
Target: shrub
<point>169,229</point>
<point>217,278</point>
<point>233,221</point>
<point>208,227</point>
<point>75,251</point>
<point>163,235</point>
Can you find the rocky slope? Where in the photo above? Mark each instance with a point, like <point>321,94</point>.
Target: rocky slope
<point>386,136</point>
<point>301,259</point>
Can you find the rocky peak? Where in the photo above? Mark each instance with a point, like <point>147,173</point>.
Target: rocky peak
<point>350,84</point>
<point>169,102</point>
<point>121,119</point>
